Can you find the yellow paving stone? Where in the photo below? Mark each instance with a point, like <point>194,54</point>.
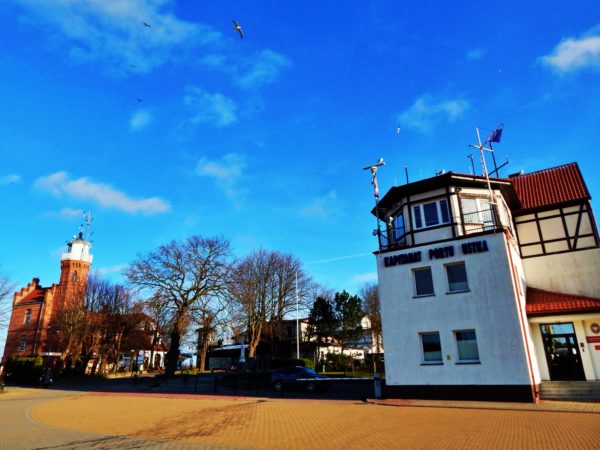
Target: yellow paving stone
<point>313,424</point>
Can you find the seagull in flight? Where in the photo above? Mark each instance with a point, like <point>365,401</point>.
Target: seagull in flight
<point>398,130</point>
<point>238,28</point>
<point>147,25</point>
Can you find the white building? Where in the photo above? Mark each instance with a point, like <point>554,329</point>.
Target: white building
<point>487,299</point>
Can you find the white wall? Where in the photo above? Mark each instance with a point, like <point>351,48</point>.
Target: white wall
<point>575,273</point>
<point>490,308</point>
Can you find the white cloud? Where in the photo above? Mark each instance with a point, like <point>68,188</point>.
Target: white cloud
<point>59,184</point>
<point>426,112</point>
<point>113,31</point>
<point>66,213</point>
<point>113,269</point>
<point>364,278</point>
<point>574,54</point>
<point>12,178</point>
<point>263,69</point>
<point>226,172</point>
<point>140,119</point>
<point>475,54</point>
<point>323,207</point>
<point>206,107</point>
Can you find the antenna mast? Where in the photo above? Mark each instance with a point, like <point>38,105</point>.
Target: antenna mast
<point>87,218</point>
<point>493,137</point>
<point>373,169</point>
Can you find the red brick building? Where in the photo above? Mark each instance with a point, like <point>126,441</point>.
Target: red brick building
<point>34,307</point>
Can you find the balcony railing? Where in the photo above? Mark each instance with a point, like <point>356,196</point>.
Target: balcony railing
<point>480,221</point>
<point>473,222</point>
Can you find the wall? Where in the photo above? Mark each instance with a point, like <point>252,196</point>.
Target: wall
<point>489,307</point>
<point>569,273</point>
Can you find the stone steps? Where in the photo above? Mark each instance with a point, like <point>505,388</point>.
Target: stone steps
<point>580,391</point>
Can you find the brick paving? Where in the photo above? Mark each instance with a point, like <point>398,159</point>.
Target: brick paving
<point>251,422</point>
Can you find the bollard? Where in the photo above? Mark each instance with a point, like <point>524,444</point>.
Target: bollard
<point>377,382</point>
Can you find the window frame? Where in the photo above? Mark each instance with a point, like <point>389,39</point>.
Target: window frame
<point>454,264</point>
<point>27,318</point>
<point>416,287</point>
<point>419,217</point>
<point>483,207</point>
<point>22,343</point>
<point>466,360</point>
<point>431,362</point>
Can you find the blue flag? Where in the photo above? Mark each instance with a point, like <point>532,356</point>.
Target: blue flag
<point>495,135</point>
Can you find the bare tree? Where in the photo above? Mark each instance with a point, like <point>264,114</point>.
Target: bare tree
<point>6,288</point>
<point>371,308</point>
<point>185,273</point>
<point>264,290</point>
<point>157,308</point>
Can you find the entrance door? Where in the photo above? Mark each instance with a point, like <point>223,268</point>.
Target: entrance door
<point>562,352</point>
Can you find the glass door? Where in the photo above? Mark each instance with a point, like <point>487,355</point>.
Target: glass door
<point>562,352</point>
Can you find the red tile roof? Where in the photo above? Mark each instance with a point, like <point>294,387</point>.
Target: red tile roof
<point>550,187</point>
<point>541,303</point>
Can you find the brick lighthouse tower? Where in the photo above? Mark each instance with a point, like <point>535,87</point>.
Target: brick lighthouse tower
<point>31,332</point>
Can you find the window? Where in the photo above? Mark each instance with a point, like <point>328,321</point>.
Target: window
<point>431,214</point>
<point>22,343</point>
<point>27,316</point>
<point>457,277</point>
<point>466,344</point>
<point>423,281</point>
<point>432,348</point>
<point>398,225</point>
<point>478,214</point>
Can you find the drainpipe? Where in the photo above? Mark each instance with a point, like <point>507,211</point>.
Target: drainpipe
<point>524,324</point>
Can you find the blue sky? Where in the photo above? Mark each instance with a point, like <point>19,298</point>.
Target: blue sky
<point>183,128</point>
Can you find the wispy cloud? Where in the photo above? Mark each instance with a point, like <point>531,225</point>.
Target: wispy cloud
<point>574,54</point>
<point>140,119</point>
<point>427,112</point>
<point>206,107</point>
<point>113,269</point>
<point>262,69</point>
<point>113,31</point>
<point>322,208</point>
<point>65,213</point>
<point>475,54</point>
<point>12,178</point>
<point>363,278</point>
<point>59,184</point>
<point>225,172</point>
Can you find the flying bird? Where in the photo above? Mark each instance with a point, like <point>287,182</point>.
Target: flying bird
<point>238,28</point>
<point>147,25</point>
<point>139,100</point>
<point>398,130</point>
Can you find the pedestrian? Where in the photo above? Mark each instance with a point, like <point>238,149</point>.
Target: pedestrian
<point>47,378</point>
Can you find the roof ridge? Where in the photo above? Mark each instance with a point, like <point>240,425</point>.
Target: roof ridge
<point>548,169</point>
<point>562,293</point>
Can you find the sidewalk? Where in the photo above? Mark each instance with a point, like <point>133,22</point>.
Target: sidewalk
<point>542,406</point>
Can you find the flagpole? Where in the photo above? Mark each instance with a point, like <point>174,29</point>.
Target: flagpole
<point>297,329</point>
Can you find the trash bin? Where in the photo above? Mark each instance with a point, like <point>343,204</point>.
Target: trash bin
<point>377,383</point>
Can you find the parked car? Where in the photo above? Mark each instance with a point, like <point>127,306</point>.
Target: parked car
<point>299,377</point>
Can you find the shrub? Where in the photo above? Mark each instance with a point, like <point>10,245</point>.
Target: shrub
<point>308,363</point>
<point>288,362</point>
<point>25,370</point>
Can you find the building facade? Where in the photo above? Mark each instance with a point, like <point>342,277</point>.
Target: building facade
<point>30,332</point>
<point>489,289</point>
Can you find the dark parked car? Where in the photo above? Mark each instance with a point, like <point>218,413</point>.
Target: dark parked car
<point>300,377</point>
